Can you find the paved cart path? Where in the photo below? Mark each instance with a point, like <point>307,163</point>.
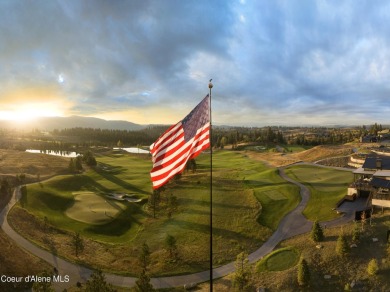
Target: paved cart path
<point>294,223</point>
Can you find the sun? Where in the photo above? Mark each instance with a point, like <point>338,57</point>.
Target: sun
<point>29,103</point>
<point>30,112</point>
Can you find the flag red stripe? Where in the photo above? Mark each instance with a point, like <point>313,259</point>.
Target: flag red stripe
<point>178,151</point>
<point>168,153</point>
<point>163,174</point>
<point>181,142</point>
<point>167,137</point>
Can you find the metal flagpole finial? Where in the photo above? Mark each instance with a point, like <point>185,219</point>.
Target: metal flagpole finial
<point>210,84</point>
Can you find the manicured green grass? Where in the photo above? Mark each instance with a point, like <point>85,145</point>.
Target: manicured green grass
<point>54,199</point>
<point>277,197</point>
<point>296,148</point>
<point>94,209</point>
<point>327,186</point>
<point>278,260</point>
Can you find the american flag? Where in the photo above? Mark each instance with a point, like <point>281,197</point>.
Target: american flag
<point>180,143</point>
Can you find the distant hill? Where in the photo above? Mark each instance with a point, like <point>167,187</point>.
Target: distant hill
<point>51,123</point>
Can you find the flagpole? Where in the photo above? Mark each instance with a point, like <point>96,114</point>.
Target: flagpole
<point>211,193</point>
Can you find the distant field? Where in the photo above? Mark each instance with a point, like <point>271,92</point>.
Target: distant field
<point>238,186</point>
<point>327,187</point>
<point>14,162</point>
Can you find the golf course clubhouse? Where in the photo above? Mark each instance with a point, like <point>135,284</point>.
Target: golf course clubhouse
<point>372,180</point>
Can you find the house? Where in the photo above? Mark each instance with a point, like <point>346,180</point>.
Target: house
<point>384,134</point>
<point>372,180</point>
<point>368,139</point>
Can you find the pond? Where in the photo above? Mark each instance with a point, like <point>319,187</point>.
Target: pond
<point>133,150</point>
<point>70,154</point>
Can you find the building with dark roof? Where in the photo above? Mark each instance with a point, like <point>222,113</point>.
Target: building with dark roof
<point>372,180</point>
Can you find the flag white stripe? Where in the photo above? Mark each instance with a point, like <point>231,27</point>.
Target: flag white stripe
<point>166,150</point>
<point>175,155</point>
<point>156,145</point>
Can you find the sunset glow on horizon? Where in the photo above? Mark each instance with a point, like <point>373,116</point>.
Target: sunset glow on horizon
<point>29,103</point>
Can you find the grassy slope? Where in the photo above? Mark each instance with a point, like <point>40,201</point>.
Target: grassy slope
<point>327,187</point>
<point>13,162</point>
<point>235,213</point>
<point>15,262</point>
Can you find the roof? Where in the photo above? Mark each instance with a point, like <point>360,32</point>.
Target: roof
<point>382,183</point>
<point>361,170</point>
<point>370,162</point>
<point>382,173</point>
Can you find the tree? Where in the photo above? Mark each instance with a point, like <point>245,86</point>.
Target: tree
<point>5,187</point>
<point>77,243</point>
<point>71,166</point>
<point>170,244</point>
<point>242,275</point>
<point>372,268</point>
<point>119,144</point>
<point>143,283</point>
<point>21,177</point>
<point>342,247</point>
<point>356,234</point>
<point>363,218</point>
<point>154,201</point>
<point>317,233</point>
<point>172,205</point>
<point>77,163</point>
<point>303,272</point>
<point>144,256</point>
<point>191,165</point>
<point>97,282</point>
<point>89,159</point>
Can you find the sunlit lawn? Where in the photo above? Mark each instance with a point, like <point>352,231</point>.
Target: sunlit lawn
<point>239,223</point>
<point>327,186</point>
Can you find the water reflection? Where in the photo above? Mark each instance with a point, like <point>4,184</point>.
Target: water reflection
<point>70,154</point>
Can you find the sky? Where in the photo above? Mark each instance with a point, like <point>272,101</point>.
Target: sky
<point>149,62</point>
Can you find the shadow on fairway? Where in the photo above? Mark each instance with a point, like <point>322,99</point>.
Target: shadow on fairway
<point>111,177</point>
<point>120,225</point>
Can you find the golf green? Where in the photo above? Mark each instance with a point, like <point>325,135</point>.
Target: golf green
<point>92,208</point>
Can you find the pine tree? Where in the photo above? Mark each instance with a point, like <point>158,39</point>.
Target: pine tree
<point>243,273</point>
<point>317,233</point>
<point>170,243</point>
<point>143,283</point>
<point>144,257</point>
<point>97,282</point>
<point>71,166</point>
<point>342,247</point>
<point>78,243</point>
<point>303,272</point>
<point>356,234</point>
<point>372,268</point>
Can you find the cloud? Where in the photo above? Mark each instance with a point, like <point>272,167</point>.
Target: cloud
<point>268,59</point>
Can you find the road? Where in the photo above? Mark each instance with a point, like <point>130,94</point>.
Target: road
<point>294,223</point>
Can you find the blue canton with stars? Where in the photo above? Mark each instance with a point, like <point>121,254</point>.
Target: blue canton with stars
<point>196,119</point>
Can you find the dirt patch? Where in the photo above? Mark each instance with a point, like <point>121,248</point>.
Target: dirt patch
<point>322,152</point>
<point>310,155</point>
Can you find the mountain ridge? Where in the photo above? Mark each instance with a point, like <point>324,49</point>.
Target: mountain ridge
<point>52,123</point>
